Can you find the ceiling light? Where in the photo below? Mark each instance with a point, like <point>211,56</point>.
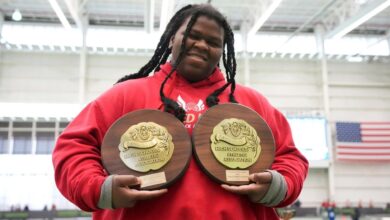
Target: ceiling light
<point>361,2</point>
<point>17,16</point>
<point>355,59</point>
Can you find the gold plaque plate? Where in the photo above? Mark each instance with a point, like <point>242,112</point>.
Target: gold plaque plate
<point>146,146</point>
<point>235,143</point>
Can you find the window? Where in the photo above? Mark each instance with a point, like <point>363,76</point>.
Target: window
<point>309,135</point>
<point>63,124</point>
<point>45,142</point>
<point>4,124</point>
<point>3,142</point>
<point>22,124</point>
<point>45,124</point>
<point>22,143</point>
<point>31,136</point>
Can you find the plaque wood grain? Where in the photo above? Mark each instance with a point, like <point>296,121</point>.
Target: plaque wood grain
<point>202,143</point>
<point>175,167</point>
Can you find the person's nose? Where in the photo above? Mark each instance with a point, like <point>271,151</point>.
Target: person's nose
<point>201,44</point>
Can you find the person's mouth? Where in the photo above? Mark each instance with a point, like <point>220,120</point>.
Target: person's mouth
<point>200,56</point>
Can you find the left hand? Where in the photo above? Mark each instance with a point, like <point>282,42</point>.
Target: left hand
<point>255,190</point>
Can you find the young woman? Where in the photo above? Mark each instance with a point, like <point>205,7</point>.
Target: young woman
<point>187,85</point>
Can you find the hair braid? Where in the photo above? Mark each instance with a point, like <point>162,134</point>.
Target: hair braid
<point>169,104</point>
<point>229,62</point>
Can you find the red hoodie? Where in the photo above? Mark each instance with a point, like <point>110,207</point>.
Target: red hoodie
<point>79,173</point>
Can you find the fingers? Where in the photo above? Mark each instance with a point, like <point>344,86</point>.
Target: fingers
<point>243,189</point>
<point>129,197</point>
<point>260,180</point>
<point>255,190</point>
<point>124,194</point>
<point>145,195</point>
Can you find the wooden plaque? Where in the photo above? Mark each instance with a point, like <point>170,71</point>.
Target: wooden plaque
<point>155,133</point>
<point>225,143</point>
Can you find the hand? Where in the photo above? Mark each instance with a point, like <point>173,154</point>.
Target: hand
<point>255,190</point>
<point>124,194</point>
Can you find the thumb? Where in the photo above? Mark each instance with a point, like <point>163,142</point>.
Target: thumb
<point>263,177</point>
<point>126,180</point>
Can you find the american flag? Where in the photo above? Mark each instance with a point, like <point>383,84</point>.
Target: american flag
<point>365,141</point>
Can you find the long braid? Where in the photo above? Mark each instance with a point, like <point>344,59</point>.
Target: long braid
<point>229,62</point>
<point>163,59</point>
<point>169,104</point>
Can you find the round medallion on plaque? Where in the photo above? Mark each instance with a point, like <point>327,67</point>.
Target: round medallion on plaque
<point>149,144</point>
<point>146,146</point>
<point>232,141</point>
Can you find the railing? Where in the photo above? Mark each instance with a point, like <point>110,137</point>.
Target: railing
<point>44,214</point>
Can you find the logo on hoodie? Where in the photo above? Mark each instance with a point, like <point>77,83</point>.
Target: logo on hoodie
<point>193,110</point>
<point>190,106</point>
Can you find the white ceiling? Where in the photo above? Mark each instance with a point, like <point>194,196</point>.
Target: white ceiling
<point>291,17</point>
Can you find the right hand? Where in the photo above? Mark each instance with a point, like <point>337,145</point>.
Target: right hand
<point>256,190</point>
<point>123,195</point>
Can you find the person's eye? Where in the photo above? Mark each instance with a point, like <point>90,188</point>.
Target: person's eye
<point>194,36</point>
<point>214,44</point>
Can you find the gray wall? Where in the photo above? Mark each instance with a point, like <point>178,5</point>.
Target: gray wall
<point>357,92</point>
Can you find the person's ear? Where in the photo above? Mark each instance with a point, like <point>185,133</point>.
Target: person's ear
<point>171,42</point>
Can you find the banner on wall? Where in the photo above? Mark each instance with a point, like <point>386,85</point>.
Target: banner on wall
<point>309,135</point>
<point>363,141</point>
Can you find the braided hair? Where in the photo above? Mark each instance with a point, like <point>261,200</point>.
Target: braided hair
<point>163,51</point>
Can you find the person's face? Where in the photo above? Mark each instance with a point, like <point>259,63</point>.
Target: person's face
<point>203,48</point>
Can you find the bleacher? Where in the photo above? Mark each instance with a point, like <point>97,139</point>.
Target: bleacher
<point>44,214</point>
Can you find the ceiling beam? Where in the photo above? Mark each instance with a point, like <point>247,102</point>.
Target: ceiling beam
<point>318,14</point>
<point>76,9</point>
<point>265,9</point>
<point>60,14</point>
<point>363,15</point>
<point>388,40</point>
